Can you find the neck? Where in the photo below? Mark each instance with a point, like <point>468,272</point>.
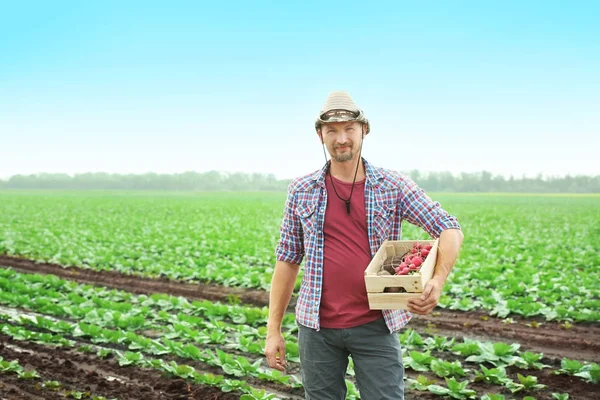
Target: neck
<point>344,171</point>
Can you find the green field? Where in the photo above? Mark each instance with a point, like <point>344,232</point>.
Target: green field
<point>530,256</point>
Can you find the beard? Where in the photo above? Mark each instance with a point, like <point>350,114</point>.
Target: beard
<point>343,156</point>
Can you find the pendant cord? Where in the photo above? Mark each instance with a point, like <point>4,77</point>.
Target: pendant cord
<point>346,201</point>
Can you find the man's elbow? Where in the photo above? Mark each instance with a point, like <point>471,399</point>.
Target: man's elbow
<point>461,235</point>
<point>456,232</point>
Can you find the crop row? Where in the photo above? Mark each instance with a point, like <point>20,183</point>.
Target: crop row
<point>458,390</point>
<point>233,365</point>
<point>211,327</point>
<point>137,359</point>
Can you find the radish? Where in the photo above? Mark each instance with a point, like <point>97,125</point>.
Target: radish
<point>417,261</point>
<point>410,263</point>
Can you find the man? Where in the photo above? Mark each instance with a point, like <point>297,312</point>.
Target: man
<point>338,217</point>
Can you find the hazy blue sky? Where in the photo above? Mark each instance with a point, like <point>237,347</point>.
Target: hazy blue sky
<point>512,87</point>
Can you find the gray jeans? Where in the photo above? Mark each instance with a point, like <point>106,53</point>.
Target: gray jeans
<point>377,362</point>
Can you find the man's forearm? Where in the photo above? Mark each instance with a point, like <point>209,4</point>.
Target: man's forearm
<point>449,246</point>
<point>282,287</point>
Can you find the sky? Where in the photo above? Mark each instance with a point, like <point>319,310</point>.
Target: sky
<point>509,87</point>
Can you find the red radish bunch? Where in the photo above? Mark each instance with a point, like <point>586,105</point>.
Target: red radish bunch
<point>413,260</point>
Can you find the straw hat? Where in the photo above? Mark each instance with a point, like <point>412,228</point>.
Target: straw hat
<point>339,107</point>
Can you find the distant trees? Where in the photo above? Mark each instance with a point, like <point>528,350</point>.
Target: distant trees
<point>187,181</point>
<point>218,181</point>
<point>487,182</point>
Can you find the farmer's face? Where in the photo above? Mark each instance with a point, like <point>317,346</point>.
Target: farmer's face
<point>342,139</point>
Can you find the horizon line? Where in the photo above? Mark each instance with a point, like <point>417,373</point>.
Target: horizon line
<point>229,173</point>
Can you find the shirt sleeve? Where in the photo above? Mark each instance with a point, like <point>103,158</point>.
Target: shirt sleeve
<point>290,247</point>
<point>420,210</point>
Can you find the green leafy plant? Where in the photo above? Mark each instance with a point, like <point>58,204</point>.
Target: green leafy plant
<point>469,347</point>
<point>588,371</point>
<point>418,361</point>
<point>10,366</point>
<point>411,339</point>
<point>422,383</point>
<point>493,396</point>
<point>52,385</point>
<point>455,390</point>
<point>525,383</point>
<point>129,358</point>
<point>28,374</point>
<point>494,376</point>
<point>446,369</point>
<point>439,343</point>
<point>497,354</point>
<point>570,367</point>
<point>532,360</point>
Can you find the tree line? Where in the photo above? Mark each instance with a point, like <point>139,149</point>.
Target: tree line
<point>219,181</point>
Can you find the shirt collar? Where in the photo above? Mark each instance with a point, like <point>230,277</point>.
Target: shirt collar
<point>373,175</point>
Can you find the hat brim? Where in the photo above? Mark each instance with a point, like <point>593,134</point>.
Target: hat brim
<point>343,117</point>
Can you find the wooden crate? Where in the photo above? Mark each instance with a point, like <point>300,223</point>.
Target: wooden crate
<point>412,284</point>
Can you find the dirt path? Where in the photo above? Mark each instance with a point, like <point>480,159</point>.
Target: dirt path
<point>138,284</point>
<point>578,342</point>
<point>13,388</point>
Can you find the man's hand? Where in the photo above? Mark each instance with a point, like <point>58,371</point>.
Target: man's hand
<point>429,298</point>
<point>275,351</point>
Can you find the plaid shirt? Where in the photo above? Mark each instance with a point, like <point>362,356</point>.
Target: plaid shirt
<point>390,198</point>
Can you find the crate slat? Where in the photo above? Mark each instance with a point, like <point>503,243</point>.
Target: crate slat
<point>390,301</point>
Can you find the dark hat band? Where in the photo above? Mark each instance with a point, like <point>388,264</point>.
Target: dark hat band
<point>339,115</point>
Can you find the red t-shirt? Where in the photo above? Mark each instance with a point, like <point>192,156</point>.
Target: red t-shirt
<point>344,302</point>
